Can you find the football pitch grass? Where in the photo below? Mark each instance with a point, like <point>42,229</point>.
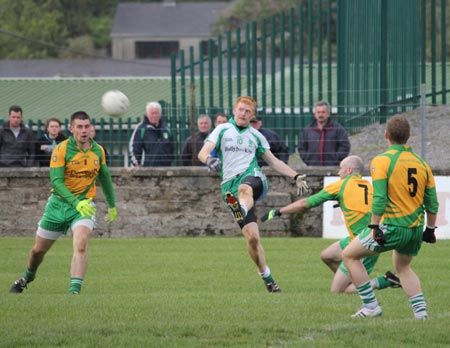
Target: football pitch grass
<point>205,292</point>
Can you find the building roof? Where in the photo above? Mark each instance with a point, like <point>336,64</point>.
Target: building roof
<point>84,67</point>
<point>166,19</point>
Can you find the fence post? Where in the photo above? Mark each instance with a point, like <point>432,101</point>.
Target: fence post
<point>383,62</point>
<point>423,103</point>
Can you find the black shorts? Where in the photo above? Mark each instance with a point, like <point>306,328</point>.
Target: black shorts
<point>256,184</point>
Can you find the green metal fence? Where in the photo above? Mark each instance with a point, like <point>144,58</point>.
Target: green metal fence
<point>379,56</point>
<point>286,62</point>
<point>367,58</point>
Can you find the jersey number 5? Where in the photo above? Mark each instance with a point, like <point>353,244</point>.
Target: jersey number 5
<point>412,182</point>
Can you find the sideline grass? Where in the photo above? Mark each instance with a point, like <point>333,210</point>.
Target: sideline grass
<point>205,292</point>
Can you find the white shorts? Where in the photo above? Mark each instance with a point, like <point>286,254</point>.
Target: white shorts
<point>46,234</point>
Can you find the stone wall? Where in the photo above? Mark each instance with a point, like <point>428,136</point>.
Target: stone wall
<point>159,202</point>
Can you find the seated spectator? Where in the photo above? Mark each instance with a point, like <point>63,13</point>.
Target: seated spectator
<point>151,144</point>
<point>277,146</point>
<point>192,146</point>
<point>324,142</point>
<point>17,142</point>
<point>45,145</point>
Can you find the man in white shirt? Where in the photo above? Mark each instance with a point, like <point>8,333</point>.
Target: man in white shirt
<point>238,146</point>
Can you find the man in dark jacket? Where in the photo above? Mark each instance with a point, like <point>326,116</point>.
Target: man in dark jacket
<point>277,146</point>
<point>17,142</point>
<point>151,144</point>
<point>323,142</point>
<point>192,146</point>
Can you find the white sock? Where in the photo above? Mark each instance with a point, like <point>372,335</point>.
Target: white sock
<point>244,210</point>
<point>266,272</point>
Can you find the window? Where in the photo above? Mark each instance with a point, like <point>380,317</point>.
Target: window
<point>156,49</point>
<point>205,47</point>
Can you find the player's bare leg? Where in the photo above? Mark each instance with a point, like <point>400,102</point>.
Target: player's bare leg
<point>332,256</point>
<point>257,254</point>
<point>245,196</point>
<point>80,258</point>
<point>411,284</point>
<point>254,247</point>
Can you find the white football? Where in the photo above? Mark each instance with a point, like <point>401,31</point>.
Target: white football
<point>115,103</point>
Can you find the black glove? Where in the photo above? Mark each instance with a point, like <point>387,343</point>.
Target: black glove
<point>378,235</point>
<point>213,164</point>
<point>428,235</point>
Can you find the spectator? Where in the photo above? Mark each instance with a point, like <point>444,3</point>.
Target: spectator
<point>277,146</point>
<point>45,145</point>
<point>219,119</point>
<point>151,144</point>
<point>192,147</point>
<point>17,142</point>
<point>324,142</point>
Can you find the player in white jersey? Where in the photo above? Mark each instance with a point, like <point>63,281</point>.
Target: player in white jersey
<point>238,147</point>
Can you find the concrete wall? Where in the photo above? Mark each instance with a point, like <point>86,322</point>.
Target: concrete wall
<point>154,202</point>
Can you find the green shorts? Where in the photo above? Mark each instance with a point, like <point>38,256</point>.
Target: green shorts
<point>59,216</point>
<point>233,184</point>
<point>368,262</point>
<point>405,240</point>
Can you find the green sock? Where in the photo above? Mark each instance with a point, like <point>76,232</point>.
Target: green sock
<point>382,283</point>
<point>268,279</point>
<point>29,274</point>
<point>75,285</point>
<point>366,294</point>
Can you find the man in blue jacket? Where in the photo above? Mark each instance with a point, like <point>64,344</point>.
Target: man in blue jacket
<point>151,144</point>
<point>324,142</point>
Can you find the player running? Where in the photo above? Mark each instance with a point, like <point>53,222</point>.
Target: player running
<point>75,165</point>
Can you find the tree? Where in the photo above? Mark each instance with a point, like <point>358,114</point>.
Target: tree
<point>32,29</point>
<point>243,11</point>
<point>26,25</point>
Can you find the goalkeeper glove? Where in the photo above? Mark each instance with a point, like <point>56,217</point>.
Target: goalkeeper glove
<point>213,164</point>
<point>428,235</point>
<point>85,208</point>
<point>112,214</point>
<point>378,235</point>
<point>271,214</point>
<point>302,185</point>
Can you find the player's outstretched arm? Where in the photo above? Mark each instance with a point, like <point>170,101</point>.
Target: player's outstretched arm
<point>294,207</point>
<point>270,215</point>
<point>283,168</point>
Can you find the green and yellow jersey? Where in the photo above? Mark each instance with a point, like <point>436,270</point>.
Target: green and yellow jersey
<point>355,200</point>
<point>73,172</point>
<point>403,186</point>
